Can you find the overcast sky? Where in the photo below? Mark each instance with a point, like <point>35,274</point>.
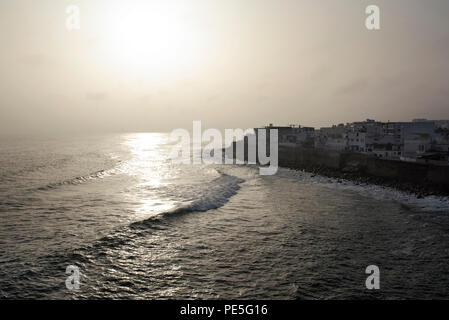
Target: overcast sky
<point>158,65</point>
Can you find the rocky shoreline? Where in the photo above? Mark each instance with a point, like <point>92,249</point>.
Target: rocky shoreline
<point>415,179</point>
<point>357,177</point>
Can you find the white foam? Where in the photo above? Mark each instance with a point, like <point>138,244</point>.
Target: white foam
<point>429,203</point>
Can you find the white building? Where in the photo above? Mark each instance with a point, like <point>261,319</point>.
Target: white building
<point>356,141</point>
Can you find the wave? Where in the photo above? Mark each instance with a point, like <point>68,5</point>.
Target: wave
<point>214,195</point>
<point>51,163</point>
<point>217,193</point>
<point>79,180</point>
<point>411,201</point>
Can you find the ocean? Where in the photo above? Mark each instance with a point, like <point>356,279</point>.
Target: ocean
<point>140,227</point>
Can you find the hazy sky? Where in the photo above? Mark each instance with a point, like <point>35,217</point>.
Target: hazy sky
<point>158,65</point>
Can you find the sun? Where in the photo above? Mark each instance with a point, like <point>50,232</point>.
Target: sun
<point>151,36</point>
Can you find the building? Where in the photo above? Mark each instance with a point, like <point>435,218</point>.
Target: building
<point>293,135</point>
<point>409,141</point>
<point>356,141</point>
<point>331,138</point>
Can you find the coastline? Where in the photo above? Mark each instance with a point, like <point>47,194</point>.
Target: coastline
<point>415,178</point>
<point>420,191</point>
<point>418,179</point>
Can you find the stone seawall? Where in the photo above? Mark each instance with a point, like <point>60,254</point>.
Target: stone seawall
<point>421,179</point>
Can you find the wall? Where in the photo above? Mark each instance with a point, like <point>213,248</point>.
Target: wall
<point>417,173</point>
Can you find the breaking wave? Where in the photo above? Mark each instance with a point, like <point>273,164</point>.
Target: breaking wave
<point>213,195</point>
<point>216,193</point>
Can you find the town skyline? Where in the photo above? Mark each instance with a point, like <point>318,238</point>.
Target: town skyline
<point>419,140</point>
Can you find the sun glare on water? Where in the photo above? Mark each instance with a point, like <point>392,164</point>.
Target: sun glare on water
<point>151,36</point>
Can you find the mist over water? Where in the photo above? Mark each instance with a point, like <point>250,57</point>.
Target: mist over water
<point>139,226</point>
